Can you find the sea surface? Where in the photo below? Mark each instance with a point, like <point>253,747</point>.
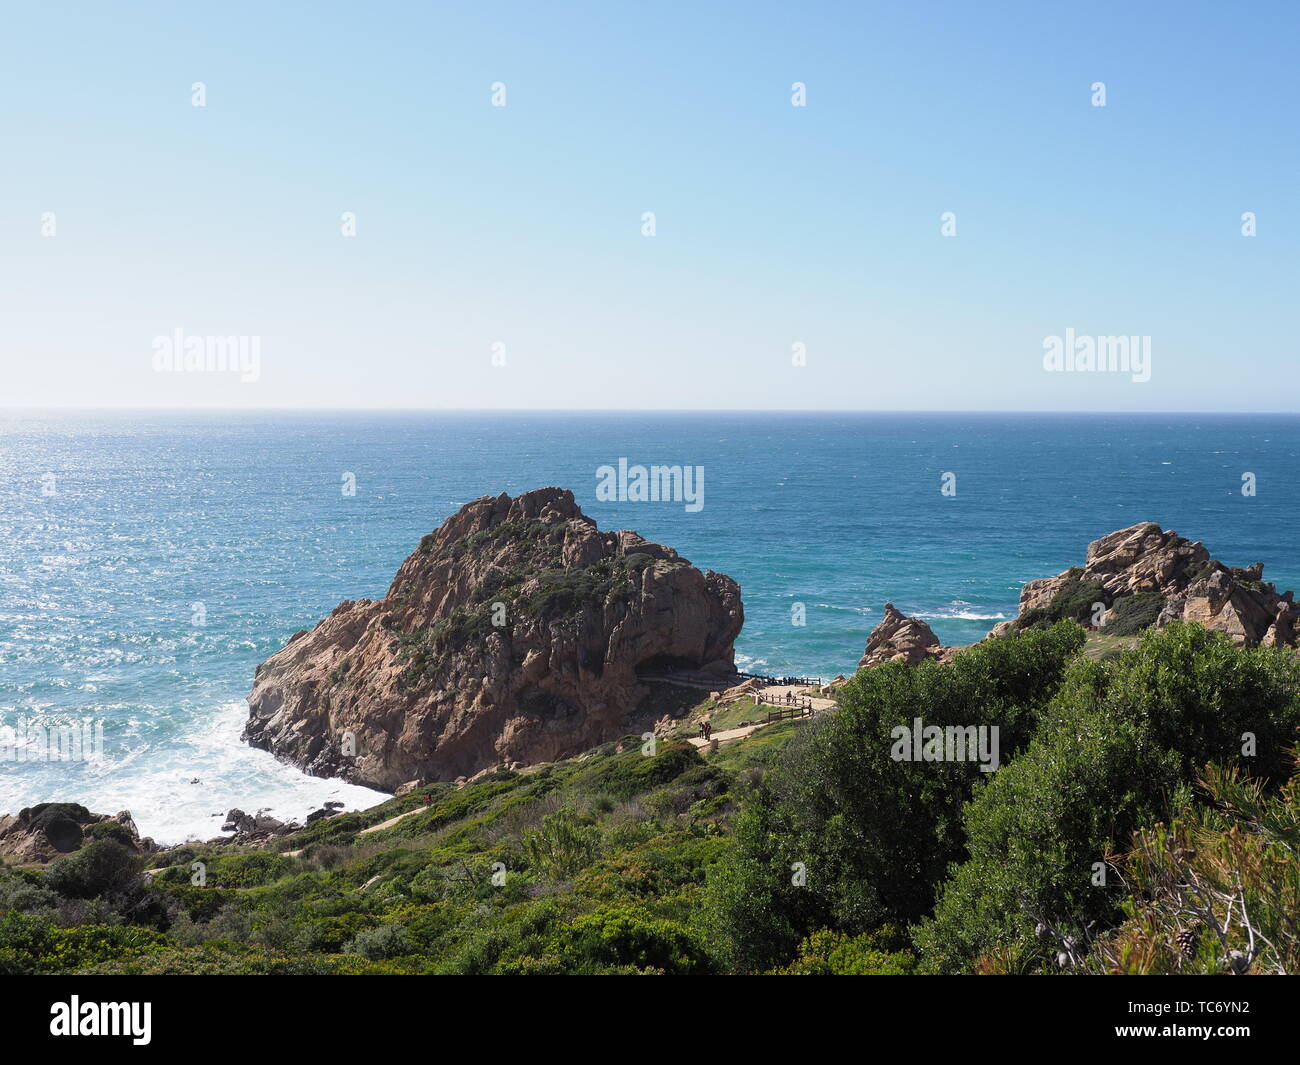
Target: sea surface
<point>149,561</point>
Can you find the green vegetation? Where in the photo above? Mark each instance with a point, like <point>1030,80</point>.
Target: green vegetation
<point>1075,600</point>
<point>594,865</point>
<point>1092,750</point>
<point>875,836</point>
<point>1195,877</point>
<point>1140,803</point>
<point>1133,613</point>
<point>535,585</point>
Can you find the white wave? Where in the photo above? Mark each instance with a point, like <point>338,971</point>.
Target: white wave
<point>154,783</point>
<point>958,615</point>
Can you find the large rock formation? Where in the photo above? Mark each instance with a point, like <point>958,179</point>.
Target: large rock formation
<point>900,639</point>
<point>42,833</point>
<point>1142,575</point>
<point>518,632</point>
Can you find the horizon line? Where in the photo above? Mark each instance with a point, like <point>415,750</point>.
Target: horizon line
<point>124,408</point>
<point>701,411</point>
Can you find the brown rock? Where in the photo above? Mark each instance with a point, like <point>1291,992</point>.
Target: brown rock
<point>424,685</point>
<point>900,639</point>
<point>42,833</point>
<point>1145,559</point>
<point>739,691</point>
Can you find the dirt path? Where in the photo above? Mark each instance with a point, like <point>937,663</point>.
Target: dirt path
<point>723,737</point>
<point>774,693</point>
<point>391,821</point>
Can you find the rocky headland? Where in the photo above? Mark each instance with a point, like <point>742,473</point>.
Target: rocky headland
<point>1131,579</point>
<point>1143,576</point>
<point>518,632</point>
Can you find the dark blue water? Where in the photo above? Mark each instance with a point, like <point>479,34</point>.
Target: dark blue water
<point>153,513</point>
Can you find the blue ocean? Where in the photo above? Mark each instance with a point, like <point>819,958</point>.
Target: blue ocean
<point>150,560</point>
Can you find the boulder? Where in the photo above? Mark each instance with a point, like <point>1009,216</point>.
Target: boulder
<point>899,638</point>
<point>261,826</point>
<point>41,833</point>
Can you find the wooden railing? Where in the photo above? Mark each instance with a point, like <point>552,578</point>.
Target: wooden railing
<point>788,713</point>
<point>808,682</point>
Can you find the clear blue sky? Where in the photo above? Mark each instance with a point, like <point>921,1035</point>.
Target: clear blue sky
<point>775,225</point>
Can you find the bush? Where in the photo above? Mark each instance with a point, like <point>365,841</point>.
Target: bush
<point>1119,749</point>
<point>114,830</point>
<point>562,846</point>
<point>1075,600</point>
<point>1217,890</point>
<point>627,937</point>
<point>377,944</point>
<point>33,945</point>
<point>251,869</point>
<point>828,953</point>
<point>1132,614</point>
<point>23,895</point>
<point>1036,833</point>
<point>632,773</point>
<point>844,837</point>
<point>103,869</point>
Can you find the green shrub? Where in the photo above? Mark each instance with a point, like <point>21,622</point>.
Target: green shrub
<point>1133,613</point>
<point>26,895</point>
<point>1190,882</point>
<point>631,773</point>
<point>104,868</point>
<point>870,837</point>
<point>827,953</point>
<point>1119,749</point>
<point>250,869</point>
<point>1075,600</point>
<point>33,945</point>
<point>628,937</point>
<point>114,830</point>
<point>377,944</point>
<point>562,846</point>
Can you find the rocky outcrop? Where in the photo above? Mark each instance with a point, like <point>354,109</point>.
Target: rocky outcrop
<point>746,689</point>
<point>517,632</point>
<point>1143,575</point>
<point>42,833</point>
<point>899,639</point>
<point>261,826</point>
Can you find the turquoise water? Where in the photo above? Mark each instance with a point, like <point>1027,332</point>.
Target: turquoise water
<point>153,513</point>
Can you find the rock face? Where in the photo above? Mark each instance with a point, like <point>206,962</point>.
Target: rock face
<point>518,632</point>
<point>900,639</point>
<point>42,833</point>
<point>1143,575</point>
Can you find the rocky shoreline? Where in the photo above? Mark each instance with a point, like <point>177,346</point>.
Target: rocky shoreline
<point>39,834</point>
<point>1131,580</point>
<point>519,633</point>
<point>424,685</point>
